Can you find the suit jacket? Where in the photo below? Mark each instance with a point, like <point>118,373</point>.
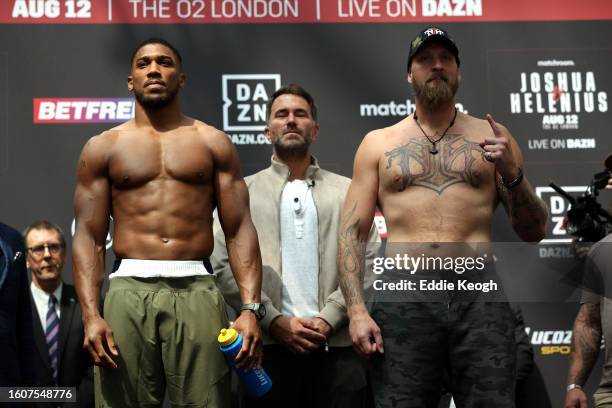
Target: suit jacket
<point>16,342</point>
<point>75,365</point>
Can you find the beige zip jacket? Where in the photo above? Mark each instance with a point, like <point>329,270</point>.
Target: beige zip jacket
<point>265,189</point>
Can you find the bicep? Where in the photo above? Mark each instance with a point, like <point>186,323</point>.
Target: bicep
<point>92,195</point>
<point>230,189</point>
<point>362,194</point>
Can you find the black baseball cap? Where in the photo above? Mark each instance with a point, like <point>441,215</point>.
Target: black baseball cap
<point>429,35</point>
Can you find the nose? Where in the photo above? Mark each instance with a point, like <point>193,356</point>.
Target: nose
<point>291,119</point>
<point>438,64</point>
<point>47,253</point>
<point>153,69</point>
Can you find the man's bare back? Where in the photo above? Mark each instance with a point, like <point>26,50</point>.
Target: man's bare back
<point>162,189</point>
<point>444,197</point>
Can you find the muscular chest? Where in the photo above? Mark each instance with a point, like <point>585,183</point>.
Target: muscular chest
<point>138,159</point>
<point>458,161</point>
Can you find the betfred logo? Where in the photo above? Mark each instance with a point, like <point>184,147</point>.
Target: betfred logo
<point>83,110</point>
<point>244,100</point>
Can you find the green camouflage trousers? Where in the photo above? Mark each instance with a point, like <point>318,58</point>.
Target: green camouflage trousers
<point>473,342</point>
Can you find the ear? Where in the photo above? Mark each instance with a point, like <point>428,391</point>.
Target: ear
<point>315,132</point>
<point>267,134</point>
<point>182,80</point>
<point>409,76</point>
<point>27,263</point>
<point>130,83</point>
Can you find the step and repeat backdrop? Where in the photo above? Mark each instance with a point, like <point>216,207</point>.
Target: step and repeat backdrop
<point>541,68</point>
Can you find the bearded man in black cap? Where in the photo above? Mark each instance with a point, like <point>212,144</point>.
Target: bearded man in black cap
<point>437,176</point>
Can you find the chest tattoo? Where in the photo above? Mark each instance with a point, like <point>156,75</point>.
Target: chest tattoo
<point>455,163</point>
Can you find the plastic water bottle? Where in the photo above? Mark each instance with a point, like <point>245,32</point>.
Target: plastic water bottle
<point>255,380</point>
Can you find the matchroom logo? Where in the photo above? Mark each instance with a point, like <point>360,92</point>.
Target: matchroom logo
<point>83,110</point>
<point>244,105</point>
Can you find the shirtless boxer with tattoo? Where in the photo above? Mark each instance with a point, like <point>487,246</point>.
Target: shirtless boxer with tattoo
<point>437,176</point>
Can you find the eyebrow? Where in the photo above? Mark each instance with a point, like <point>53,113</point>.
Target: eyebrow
<point>148,58</point>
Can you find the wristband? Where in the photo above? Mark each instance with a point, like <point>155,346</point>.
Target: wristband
<point>572,386</point>
<point>515,182</point>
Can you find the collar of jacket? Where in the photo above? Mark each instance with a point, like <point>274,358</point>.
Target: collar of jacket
<point>282,169</point>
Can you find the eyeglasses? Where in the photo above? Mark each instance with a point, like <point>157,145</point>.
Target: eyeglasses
<point>39,250</point>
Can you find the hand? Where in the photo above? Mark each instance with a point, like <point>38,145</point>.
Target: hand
<point>581,249</point>
<point>363,329</point>
<point>99,342</point>
<point>575,398</point>
<point>295,334</point>
<point>251,353</point>
<point>320,325</point>
<point>498,151</point>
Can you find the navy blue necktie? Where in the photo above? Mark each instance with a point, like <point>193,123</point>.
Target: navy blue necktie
<point>52,336</point>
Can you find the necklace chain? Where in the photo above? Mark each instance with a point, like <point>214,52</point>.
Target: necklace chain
<point>433,149</point>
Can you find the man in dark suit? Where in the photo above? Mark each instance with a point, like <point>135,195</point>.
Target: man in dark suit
<point>16,343</point>
<point>58,330</point>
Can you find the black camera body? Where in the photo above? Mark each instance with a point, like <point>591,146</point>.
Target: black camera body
<point>586,219</point>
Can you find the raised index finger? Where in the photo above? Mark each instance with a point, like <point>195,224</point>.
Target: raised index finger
<point>493,125</point>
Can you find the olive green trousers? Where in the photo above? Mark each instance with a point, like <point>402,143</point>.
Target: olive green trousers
<point>166,332</point>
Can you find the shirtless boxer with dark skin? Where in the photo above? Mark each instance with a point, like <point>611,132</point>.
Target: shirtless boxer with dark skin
<point>437,176</point>
<point>160,176</point>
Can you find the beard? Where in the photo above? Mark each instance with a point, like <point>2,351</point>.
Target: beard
<point>436,93</point>
<point>291,148</point>
<point>156,101</point>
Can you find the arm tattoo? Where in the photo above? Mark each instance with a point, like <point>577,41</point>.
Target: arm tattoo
<point>350,256</point>
<point>586,341</point>
<point>527,211</point>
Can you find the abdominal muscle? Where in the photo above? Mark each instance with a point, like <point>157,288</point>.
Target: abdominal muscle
<point>168,221</point>
<point>459,214</point>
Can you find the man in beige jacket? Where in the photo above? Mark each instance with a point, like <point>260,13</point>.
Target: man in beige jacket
<point>296,207</point>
